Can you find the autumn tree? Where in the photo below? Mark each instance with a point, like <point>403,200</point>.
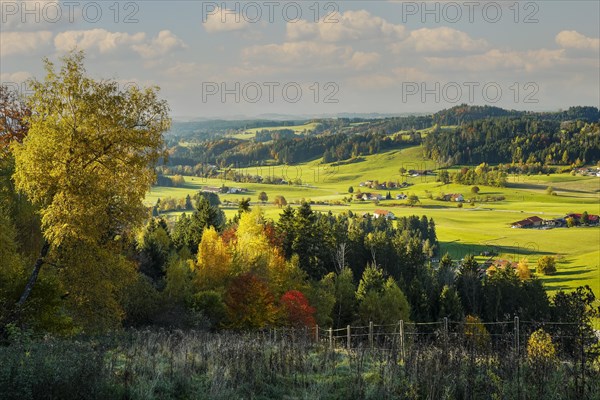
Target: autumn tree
<point>523,271</point>
<point>250,304</point>
<point>86,161</point>
<point>476,335</point>
<point>546,265</point>
<point>280,201</point>
<point>298,312</point>
<point>14,113</point>
<point>541,357</point>
<point>213,261</point>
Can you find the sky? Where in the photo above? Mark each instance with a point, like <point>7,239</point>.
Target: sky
<point>257,58</point>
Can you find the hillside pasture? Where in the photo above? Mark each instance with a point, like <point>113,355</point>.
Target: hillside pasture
<point>477,227</point>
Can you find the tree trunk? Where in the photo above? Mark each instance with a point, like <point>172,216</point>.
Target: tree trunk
<point>34,274</point>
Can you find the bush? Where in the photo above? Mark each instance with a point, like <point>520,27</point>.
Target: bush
<point>211,305</point>
<point>546,265</point>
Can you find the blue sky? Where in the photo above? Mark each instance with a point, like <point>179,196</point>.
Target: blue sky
<point>306,57</point>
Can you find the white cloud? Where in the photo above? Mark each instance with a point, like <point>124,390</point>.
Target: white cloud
<point>494,60</point>
<point>163,44</point>
<point>350,25</point>
<point>14,77</point>
<point>391,79</point>
<point>103,42</point>
<point>439,40</point>
<point>308,55</point>
<point>361,60</point>
<point>224,20</point>
<point>99,40</point>
<point>300,54</point>
<point>23,42</point>
<point>575,40</point>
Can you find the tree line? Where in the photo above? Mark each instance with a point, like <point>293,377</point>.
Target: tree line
<point>523,140</point>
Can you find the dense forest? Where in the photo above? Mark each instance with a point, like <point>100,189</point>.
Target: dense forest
<point>517,140</point>
<point>472,134</point>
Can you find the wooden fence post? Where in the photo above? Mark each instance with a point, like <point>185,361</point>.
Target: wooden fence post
<point>517,330</point>
<point>402,340</point>
<point>371,334</point>
<point>331,337</point>
<point>349,344</point>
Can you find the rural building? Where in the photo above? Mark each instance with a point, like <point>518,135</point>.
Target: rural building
<point>530,222</point>
<point>384,214</point>
<point>369,196</point>
<point>401,196</point>
<point>555,223</point>
<point>211,189</point>
<point>454,197</point>
<point>420,172</point>
<point>592,218</point>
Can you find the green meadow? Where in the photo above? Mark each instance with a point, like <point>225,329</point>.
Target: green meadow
<point>472,229</point>
<point>249,134</point>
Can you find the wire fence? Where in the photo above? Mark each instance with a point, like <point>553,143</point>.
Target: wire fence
<point>501,347</point>
<point>402,333</point>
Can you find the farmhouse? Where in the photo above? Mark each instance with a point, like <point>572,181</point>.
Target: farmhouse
<point>592,218</point>
<point>454,197</point>
<point>420,172</point>
<point>530,222</point>
<point>211,189</point>
<point>554,223</point>
<point>491,267</point>
<point>384,214</point>
<point>401,196</point>
<point>369,196</point>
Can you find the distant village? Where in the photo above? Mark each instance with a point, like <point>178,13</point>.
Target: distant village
<point>587,171</point>
<point>568,220</point>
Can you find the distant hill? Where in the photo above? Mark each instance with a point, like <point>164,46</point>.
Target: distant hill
<point>466,113</point>
<point>461,134</point>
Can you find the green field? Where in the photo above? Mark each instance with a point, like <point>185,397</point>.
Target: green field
<point>249,134</point>
<point>484,226</point>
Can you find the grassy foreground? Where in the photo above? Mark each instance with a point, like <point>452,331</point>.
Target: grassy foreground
<point>175,365</point>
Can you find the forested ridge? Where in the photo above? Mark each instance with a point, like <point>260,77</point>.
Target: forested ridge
<point>476,134</point>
